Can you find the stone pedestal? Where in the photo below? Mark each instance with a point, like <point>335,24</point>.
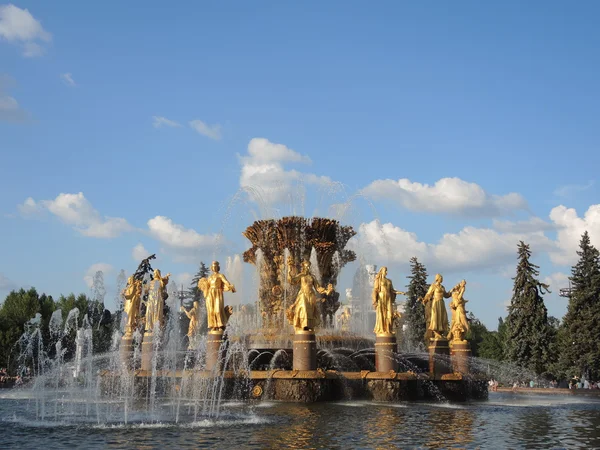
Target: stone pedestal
<point>461,355</point>
<point>214,349</point>
<point>147,351</point>
<point>385,353</point>
<point>305,351</point>
<point>439,358</point>
<point>126,351</point>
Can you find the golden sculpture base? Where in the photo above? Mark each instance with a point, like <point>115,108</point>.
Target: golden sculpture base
<point>215,346</point>
<point>385,352</point>
<point>439,358</point>
<point>461,356</point>
<point>126,351</point>
<point>305,350</point>
<point>147,351</point>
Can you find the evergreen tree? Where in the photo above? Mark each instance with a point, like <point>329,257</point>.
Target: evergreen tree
<point>528,339</point>
<point>414,311</point>
<point>194,292</point>
<point>579,349</point>
<point>477,334</point>
<point>492,345</point>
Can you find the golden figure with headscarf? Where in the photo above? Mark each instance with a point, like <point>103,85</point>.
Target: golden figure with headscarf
<point>384,302</point>
<point>213,288</point>
<point>303,314</point>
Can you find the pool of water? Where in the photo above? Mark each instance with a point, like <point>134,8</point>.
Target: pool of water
<point>506,420</point>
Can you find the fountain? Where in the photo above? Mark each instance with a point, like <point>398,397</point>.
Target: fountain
<point>294,344</point>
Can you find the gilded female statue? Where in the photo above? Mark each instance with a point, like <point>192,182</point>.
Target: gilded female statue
<point>156,301</point>
<point>213,288</point>
<point>344,319</point>
<point>133,296</point>
<point>438,321</point>
<point>303,313</point>
<point>460,324</point>
<point>384,302</point>
<point>194,315</point>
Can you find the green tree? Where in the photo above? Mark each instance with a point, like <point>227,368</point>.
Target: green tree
<point>414,311</point>
<point>528,339</point>
<point>194,292</point>
<point>18,308</point>
<point>492,345</point>
<point>579,351</point>
<point>477,333</point>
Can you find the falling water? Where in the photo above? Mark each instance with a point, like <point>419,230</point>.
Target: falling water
<point>314,266</point>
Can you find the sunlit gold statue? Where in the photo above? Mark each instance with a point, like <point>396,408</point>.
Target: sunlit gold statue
<point>384,302</point>
<point>213,288</point>
<point>194,315</point>
<point>155,303</point>
<point>438,321</point>
<point>460,324</point>
<point>133,296</point>
<point>303,314</point>
<point>344,319</point>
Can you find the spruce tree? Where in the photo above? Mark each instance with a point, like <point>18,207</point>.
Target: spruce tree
<point>195,293</point>
<point>528,333</point>
<point>579,349</point>
<point>414,311</point>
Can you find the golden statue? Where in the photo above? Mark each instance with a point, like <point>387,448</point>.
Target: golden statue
<point>384,302</point>
<point>194,315</point>
<point>213,288</point>
<point>303,313</point>
<point>156,301</point>
<point>133,296</point>
<point>344,319</point>
<point>438,321</point>
<point>460,324</point>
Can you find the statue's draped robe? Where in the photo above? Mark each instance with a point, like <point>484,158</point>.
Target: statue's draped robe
<point>132,304</point>
<point>438,321</point>
<point>155,305</point>
<point>384,297</point>
<point>215,303</point>
<point>460,324</point>
<point>305,313</point>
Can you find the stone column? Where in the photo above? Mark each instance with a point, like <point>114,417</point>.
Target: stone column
<point>461,355</point>
<point>305,351</point>
<point>439,361</point>
<point>385,353</point>
<point>214,349</point>
<point>147,351</point>
<point>126,351</point>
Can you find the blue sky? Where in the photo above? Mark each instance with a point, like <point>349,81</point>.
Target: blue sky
<point>461,127</point>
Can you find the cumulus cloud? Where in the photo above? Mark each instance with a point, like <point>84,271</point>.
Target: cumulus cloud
<point>183,279</point>
<point>67,78</point>
<point>264,176</point>
<point>447,195</point>
<point>557,281</point>
<point>185,244</point>
<point>10,110</point>
<point>76,210</point>
<point>6,284</point>
<point>106,269</point>
<point>530,225</point>
<point>18,26</point>
<point>139,252</point>
<point>471,248</point>
<point>159,122</point>
<point>570,227</point>
<point>210,131</point>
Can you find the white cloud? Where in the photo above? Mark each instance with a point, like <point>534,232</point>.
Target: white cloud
<point>106,269</point>
<point>19,26</point>
<point>570,190</point>
<point>139,252</point>
<point>184,244</point>
<point>76,210</point>
<point>264,176</point>
<point>210,131</point>
<point>67,79</point>
<point>184,279</point>
<point>10,110</point>
<point>159,122</point>
<point>570,227</point>
<point>471,248</point>
<point>447,195</point>
<point>557,281</point>
<point>6,284</point>
<point>530,225</point>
